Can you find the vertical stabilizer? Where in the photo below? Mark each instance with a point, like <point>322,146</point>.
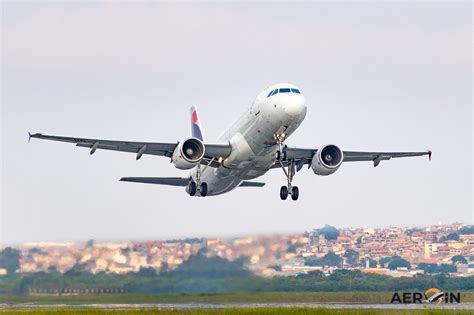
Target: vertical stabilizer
<point>196,129</point>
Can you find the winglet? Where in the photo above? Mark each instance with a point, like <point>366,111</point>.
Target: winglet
<point>33,135</point>
<point>429,154</point>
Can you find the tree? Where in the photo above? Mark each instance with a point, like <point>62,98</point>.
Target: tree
<point>459,259</point>
<point>352,257</point>
<point>36,250</point>
<point>329,232</point>
<point>330,259</point>
<point>434,268</point>
<point>314,275</point>
<point>469,229</point>
<point>427,268</point>
<point>164,267</point>
<point>445,268</point>
<point>450,237</point>
<point>398,263</point>
<point>76,270</point>
<point>386,260</point>
<point>10,259</point>
<point>202,266</point>
<point>291,248</point>
<point>146,272</point>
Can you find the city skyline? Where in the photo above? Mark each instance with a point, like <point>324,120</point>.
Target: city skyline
<point>366,248</point>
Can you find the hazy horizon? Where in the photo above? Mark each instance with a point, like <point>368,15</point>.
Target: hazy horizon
<point>376,76</point>
<point>222,236</point>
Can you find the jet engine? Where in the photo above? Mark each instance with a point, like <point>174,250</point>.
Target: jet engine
<point>188,154</point>
<point>327,160</point>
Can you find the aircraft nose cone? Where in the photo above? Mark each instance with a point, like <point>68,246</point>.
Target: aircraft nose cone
<point>295,109</point>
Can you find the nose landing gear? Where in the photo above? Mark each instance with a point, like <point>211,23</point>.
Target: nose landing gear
<point>290,173</point>
<point>290,189</point>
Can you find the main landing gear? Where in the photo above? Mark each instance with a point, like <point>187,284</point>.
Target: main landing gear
<point>193,189</point>
<point>293,191</point>
<point>197,187</point>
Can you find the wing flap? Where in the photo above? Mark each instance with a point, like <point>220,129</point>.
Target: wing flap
<point>130,149</point>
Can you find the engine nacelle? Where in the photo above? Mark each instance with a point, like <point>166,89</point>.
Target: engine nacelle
<point>327,160</point>
<point>188,154</point>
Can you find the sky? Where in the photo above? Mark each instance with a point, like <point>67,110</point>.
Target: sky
<point>376,76</point>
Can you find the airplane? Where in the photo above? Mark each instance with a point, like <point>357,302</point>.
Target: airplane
<point>435,298</point>
<point>249,148</point>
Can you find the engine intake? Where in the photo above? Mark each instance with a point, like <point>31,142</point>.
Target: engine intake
<point>327,160</point>
<point>188,154</point>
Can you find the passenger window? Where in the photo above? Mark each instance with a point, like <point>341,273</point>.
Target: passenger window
<point>284,90</point>
<point>296,91</point>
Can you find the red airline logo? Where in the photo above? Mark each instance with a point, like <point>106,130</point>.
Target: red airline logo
<point>194,118</point>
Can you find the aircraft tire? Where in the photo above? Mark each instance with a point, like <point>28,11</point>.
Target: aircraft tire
<point>203,190</point>
<point>283,192</point>
<point>192,188</point>
<point>295,192</point>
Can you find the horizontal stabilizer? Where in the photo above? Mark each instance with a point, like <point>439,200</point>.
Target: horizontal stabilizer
<point>251,184</point>
<point>171,181</point>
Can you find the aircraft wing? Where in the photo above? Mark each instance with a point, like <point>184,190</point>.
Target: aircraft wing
<point>139,148</point>
<point>303,156</point>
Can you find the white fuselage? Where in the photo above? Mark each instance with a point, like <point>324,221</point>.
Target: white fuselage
<point>252,138</point>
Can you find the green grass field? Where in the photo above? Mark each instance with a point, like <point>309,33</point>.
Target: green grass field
<point>262,297</point>
<point>235,311</point>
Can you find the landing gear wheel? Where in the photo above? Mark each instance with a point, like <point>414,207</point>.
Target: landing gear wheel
<point>192,188</point>
<point>203,191</point>
<point>283,192</point>
<point>295,192</point>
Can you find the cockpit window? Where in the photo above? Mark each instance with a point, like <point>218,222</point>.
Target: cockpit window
<point>272,93</point>
<point>283,90</point>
